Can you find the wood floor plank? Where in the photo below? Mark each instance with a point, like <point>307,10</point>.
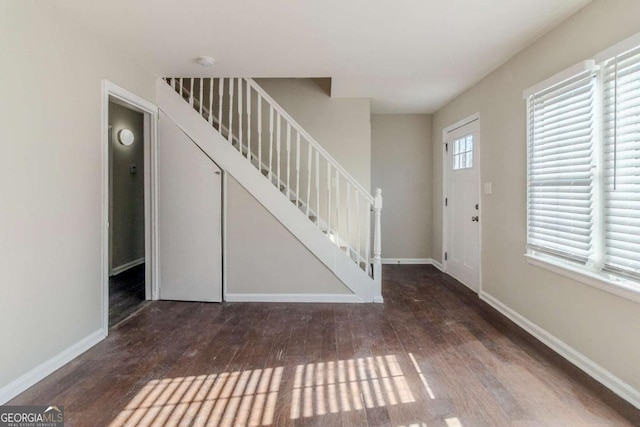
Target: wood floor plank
<point>432,355</point>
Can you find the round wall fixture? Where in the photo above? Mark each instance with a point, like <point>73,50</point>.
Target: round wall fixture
<point>125,136</point>
<point>205,61</point>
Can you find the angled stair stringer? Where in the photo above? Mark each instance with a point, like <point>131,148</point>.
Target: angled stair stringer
<point>214,145</point>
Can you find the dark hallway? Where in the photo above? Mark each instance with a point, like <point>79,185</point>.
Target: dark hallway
<point>126,294</point>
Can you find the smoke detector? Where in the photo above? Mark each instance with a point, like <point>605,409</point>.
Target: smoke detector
<point>205,61</point>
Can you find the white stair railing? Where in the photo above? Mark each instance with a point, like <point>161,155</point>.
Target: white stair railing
<point>304,172</point>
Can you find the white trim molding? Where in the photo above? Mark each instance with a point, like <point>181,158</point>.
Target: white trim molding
<point>591,368</point>
<point>472,118</point>
<point>407,261</point>
<point>438,265</point>
<point>560,77</point>
<point>47,367</point>
<point>124,267</point>
<point>603,281</point>
<point>413,261</point>
<point>618,48</point>
<point>322,298</point>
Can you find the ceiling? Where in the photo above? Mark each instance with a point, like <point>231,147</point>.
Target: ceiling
<point>408,56</point>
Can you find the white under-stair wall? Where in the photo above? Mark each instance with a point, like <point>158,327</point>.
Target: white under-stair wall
<point>275,266</point>
<point>352,264</point>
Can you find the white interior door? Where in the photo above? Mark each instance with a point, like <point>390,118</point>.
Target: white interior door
<point>462,246</point>
<point>189,218</point>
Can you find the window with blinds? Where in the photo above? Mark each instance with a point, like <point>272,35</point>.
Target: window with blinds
<point>561,168</point>
<point>583,198</point>
<point>621,169</point>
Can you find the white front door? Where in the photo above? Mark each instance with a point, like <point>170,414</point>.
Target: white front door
<point>189,218</point>
<point>462,204</point>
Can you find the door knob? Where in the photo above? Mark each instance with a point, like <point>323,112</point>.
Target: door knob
<point>474,218</point>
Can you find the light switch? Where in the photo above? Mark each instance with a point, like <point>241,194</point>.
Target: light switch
<point>487,188</point>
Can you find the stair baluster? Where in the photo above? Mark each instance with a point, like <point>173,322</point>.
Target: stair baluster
<point>191,91</point>
<point>309,159</point>
<point>288,161</point>
<point>230,130</point>
<point>318,188</point>
<point>270,143</point>
<point>201,99</point>
<point>298,169</point>
<point>329,200</point>
<point>278,138</point>
<point>220,95</point>
<point>240,139</point>
<point>259,131</point>
<point>249,123</point>
<point>211,102</point>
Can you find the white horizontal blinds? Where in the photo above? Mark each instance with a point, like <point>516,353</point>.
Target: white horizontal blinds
<point>561,168</point>
<point>621,137</point>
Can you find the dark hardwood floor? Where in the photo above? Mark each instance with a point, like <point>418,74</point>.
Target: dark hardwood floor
<point>126,294</point>
<point>432,355</point>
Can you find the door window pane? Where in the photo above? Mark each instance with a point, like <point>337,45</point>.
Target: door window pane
<point>463,152</point>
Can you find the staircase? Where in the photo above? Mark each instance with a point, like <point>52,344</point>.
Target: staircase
<point>265,137</point>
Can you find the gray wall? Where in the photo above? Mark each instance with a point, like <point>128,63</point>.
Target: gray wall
<point>263,257</point>
<point>51,180</point>
<point>127,189</point>
<point>340,125</point>
<point>401,166</point>
<point>602,326</point>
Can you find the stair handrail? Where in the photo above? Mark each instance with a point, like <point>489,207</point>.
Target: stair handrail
<point>334,163</point>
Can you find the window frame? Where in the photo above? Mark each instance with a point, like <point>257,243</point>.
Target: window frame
<point>592,273</point>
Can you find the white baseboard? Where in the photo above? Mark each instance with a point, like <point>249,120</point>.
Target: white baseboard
<point>416,261</point>
<point>331,298</point>
<point>591,368</point>
<point>407,260</point>
<point>46,368</point>
<point>124,267</point>
<point>437,265</point>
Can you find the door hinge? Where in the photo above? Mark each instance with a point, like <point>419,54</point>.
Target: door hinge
<point>446,147</point>
<point>445,256</point>
<point>446,201</point>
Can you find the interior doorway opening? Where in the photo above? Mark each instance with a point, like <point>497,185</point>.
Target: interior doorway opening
<point>129,255</point>
<point>126,211</point>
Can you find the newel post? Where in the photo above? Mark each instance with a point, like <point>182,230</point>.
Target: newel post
<point>377,245</point>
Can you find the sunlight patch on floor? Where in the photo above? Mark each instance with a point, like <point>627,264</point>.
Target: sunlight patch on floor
<point>249,397</point>
<point>228,399</point>
<point>422,378</point>
<point>346,385</point>
<point>453,422</point>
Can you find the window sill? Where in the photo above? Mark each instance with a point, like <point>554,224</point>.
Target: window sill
<point>614,285</point>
